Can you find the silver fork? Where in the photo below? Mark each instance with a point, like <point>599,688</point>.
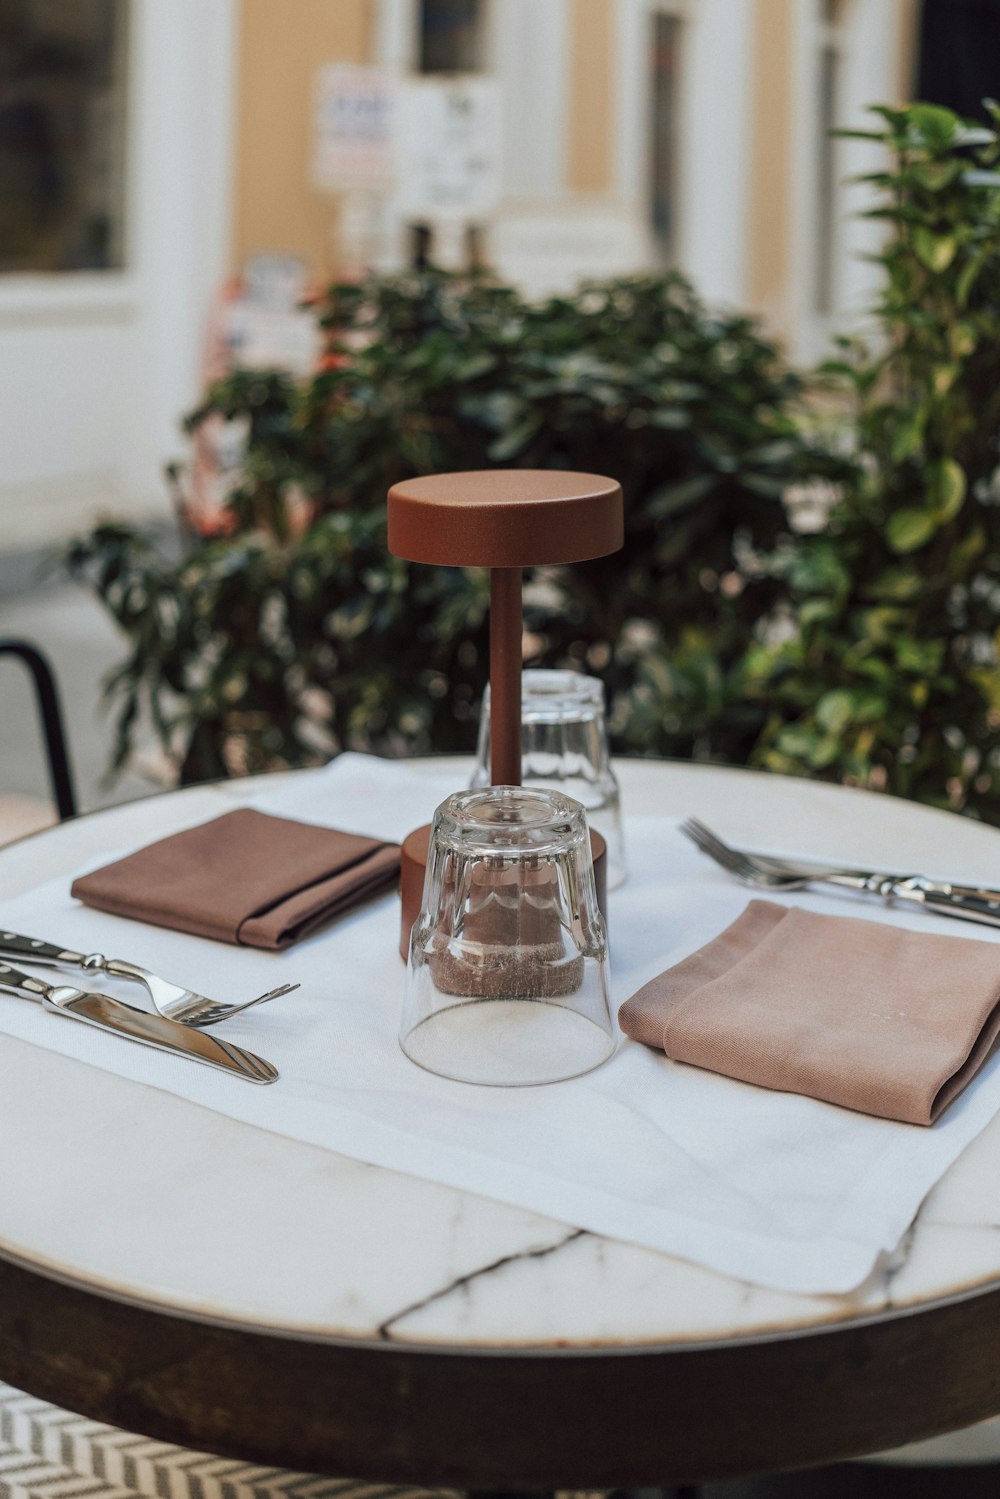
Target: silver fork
<point>770,873</point>
<point>170,1000</point>
<point>766,872</point>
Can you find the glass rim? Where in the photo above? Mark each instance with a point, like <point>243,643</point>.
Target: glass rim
<point>509,821</point>
<point>556,696</point>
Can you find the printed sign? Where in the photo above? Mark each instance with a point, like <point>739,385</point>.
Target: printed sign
<point>353,128</point>
<point>449,148</point>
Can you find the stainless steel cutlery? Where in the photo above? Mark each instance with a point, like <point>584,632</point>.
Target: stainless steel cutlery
<point>180,1018</point>
<point>171,1000</point>
<point>771,872</point>
<point>114,1015</point>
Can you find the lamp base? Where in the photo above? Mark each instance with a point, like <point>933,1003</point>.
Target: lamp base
<point>413,868</point>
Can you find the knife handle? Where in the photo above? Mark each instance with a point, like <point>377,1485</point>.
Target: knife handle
<point>12,944</point>
<point>14,979</point>
<point>966,902</point>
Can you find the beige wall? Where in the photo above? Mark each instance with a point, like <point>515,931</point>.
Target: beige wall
<point>591,110</point>
<point>280,47</point>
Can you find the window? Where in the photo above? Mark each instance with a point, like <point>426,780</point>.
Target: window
<point>62,133</point>
<point>959,56</point>
<point>665,47</point>
<point>452,36</point>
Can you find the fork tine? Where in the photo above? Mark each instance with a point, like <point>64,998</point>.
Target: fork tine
<point>704,836</point>
<point>698,833</point>
<point>211,1012</point>
<point>731,859</point>
<point>706,840</point>
<point>275,993</point>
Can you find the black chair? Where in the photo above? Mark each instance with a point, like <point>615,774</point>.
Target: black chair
<point>53,732</point>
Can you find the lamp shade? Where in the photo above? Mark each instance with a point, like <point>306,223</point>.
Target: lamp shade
<point>522,517</point>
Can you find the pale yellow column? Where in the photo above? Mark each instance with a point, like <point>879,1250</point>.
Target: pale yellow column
<point>908,23</point>
<point>772,127</point>
<point>281,45</point>
<point>591,96</point>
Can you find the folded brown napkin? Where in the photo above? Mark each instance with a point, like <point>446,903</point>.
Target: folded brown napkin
<point>858,1013</point>
<point>245,877</point>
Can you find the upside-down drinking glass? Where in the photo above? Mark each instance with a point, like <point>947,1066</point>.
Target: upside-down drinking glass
<point>564,746</point>
<point>507,982</point>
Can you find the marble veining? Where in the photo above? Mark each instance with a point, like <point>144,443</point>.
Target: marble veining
<point>462,1283</point>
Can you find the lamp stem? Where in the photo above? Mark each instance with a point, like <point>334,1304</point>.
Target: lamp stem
<point>505,676</point>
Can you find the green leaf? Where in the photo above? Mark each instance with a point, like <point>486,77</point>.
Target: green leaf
<point>935,251</point>
<point>944,378</point>
<point>945,489</point>
<point>897,583</point>
<point>962,340</point>
<point>967,278</point>
<point>946,486</point>
<point>798,740</point>
<point>512,443</point>
<point>857,135</point>
<point>909,435</point>
<point>920,657</point>
<point>671,499</point>
<point>934,175</point>
<point>987,680</point>
<point>906,530</point>
<point>882,623</point>
<point>835,710</point>
<point>936,124</point>
<point>670,418</point>
<point>971,546</point>
<point>816,612</point>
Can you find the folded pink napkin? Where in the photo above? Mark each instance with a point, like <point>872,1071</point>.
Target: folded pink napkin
<point>244,877</point>
<point>856,1012</point>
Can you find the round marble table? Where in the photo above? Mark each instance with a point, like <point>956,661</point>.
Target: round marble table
<point>183,1275</point>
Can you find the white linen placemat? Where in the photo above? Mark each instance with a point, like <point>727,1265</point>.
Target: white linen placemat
<point>770,1187</point>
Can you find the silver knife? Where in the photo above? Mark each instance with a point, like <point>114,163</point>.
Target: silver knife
<point>946,897</point>
<point>967,902</point>
<point>139,1025</point>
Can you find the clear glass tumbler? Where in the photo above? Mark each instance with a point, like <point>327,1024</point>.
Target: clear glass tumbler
<point>564,746</point>
<point>507,982</point>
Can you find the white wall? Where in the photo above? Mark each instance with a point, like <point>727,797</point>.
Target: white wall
<point>530,58</point>
<point>869,76</point>
<point>713,145</point>
<point>97,369</point>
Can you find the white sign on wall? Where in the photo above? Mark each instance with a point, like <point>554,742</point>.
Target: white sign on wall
<point>449,148</point>
<point>354,125</point>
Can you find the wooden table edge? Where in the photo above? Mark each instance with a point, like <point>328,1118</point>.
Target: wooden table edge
<point>504,1417</point>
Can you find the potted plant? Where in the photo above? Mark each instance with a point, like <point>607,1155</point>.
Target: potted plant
<point>285,632</point>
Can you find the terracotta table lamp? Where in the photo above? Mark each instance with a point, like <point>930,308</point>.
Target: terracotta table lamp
<point>506,520</point>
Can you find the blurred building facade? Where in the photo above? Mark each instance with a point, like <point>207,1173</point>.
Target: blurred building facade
<point>615,135</point>
<point>634,133</point>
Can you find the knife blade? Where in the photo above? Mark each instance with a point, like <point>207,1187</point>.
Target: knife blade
<point>122,1019</point>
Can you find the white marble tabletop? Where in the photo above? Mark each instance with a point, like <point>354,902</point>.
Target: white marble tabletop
<point>123,1188</point>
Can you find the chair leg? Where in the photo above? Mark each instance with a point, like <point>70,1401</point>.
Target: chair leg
<point>52,724</point>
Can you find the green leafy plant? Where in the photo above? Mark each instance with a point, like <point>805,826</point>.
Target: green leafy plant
<point>890,678</point>
<point>287,632</point>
